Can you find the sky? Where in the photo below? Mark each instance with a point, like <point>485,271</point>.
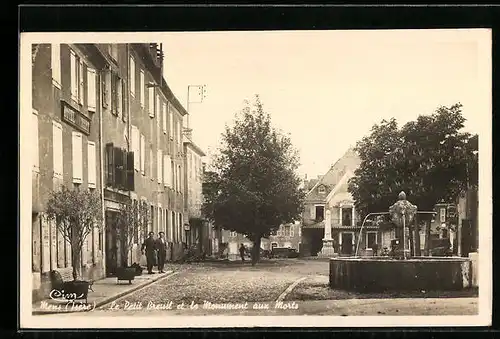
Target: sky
<point>328,88</point>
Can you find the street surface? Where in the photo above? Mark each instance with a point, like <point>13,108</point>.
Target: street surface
<point>278,287</point>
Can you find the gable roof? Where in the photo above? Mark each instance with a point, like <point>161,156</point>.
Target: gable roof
<point>348,162</point>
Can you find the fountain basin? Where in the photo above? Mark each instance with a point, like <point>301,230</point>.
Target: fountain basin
<point>381,274</point>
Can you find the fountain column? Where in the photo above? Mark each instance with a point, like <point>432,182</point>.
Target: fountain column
<point>327,250</point>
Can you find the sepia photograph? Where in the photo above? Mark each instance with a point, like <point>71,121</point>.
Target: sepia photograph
<point>256,178</point>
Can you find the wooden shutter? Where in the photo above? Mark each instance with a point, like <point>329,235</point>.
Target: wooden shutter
<point>164,116</point>
<point>110,165</point>
<point>36,154</point>
<point>142,90</point>
<point>91,89</point>
<point>313,212</point>
<point>119,97</point>
<point>151,97</point>
<point>81,86</point>
<point>151,161</point>
<point>118,156</point>
<point>123,100</point>
<point>132,76</point>
<point>77,160</point>
<point>143,154</point>
<point>165,173</point>
<point>171,122</point>
<point>159,160</point>
<point>56,63</point>
<point>114,93</point>
<point>74,76</point>
<point>104,90</point>
<point>57,149</point>
<point>91,164</point>
<point>130,171</point>
<point>136,148</point>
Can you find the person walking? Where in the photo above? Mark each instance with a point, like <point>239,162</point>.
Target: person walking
<point>161,247</point>
<point>149,246</point>
<point>242,252</point>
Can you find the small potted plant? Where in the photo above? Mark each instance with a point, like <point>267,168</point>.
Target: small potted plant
<point>76,213</point>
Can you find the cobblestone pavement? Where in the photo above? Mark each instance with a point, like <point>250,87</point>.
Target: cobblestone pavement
<point>235,288</point>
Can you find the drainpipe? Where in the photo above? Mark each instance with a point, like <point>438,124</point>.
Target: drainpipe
<point>101,169</point>
<point>127,89</point>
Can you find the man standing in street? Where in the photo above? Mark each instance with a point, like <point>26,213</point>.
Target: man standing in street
<point>150,247</point>
<point>161,247</point>
<point>242,252</point>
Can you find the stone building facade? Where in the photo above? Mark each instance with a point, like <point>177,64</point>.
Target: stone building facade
<point>104,119</point>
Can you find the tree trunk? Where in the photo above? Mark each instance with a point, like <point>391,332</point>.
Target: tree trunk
<point>256,250</point>
<point>76,261</point>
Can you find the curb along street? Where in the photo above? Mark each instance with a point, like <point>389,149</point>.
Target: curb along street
<point>113,297</point>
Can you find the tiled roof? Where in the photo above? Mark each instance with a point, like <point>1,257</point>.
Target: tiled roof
<point>349,161</point>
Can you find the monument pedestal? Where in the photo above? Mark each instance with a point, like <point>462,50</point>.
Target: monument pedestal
<point>327,250</point>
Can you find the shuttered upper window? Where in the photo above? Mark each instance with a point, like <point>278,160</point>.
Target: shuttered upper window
<point>55,63</point>
<point>166,166</point>
<point>171,122</point>
<point>91,164</point>
<point>76,74</point>
<point>57,149</point>
<point>77,159</point>
<point>151,161</point>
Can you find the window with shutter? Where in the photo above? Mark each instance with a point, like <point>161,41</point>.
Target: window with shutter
<point>77,161</point>
<point>114,94</point>
<point>179,134</point>
<point>91,163</point>
<point>57,149</point>
<point>159,160</point>
<point>91,89</point>
<point>123,100</point>
<point>55,62</point>
<point>132,76</point>
<point>136,147</point>
<point>143,155</point>
<point>164,116</point>
<point>36,154</point>
<point>81,88</point>
<point>110,165</point>
<point>292,231</point>
<point>74,76</point>
<point>151,104</point>
<point>142,91</point>
<point>313,212</point>
<point>119,175</point>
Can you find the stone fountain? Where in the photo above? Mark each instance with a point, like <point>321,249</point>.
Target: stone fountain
<point>400,273</point>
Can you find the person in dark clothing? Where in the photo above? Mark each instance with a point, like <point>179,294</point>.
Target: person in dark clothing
<point>242,252</point>
<point>150,247</point>
<point>161,247</point>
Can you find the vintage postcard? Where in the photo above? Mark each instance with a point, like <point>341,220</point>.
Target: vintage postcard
<point>261,178</point>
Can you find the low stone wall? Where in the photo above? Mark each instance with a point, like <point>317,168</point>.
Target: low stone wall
<point>378,274</point>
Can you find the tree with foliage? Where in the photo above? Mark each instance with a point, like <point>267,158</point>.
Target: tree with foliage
<point>253,188</point>
<point>431,159</point>
<point>132,220</point>
<point>76,213</point>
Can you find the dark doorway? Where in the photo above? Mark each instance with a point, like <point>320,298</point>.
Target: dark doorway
<point>316,240</point>
<point>346,243</point>
<point>111,243</point>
